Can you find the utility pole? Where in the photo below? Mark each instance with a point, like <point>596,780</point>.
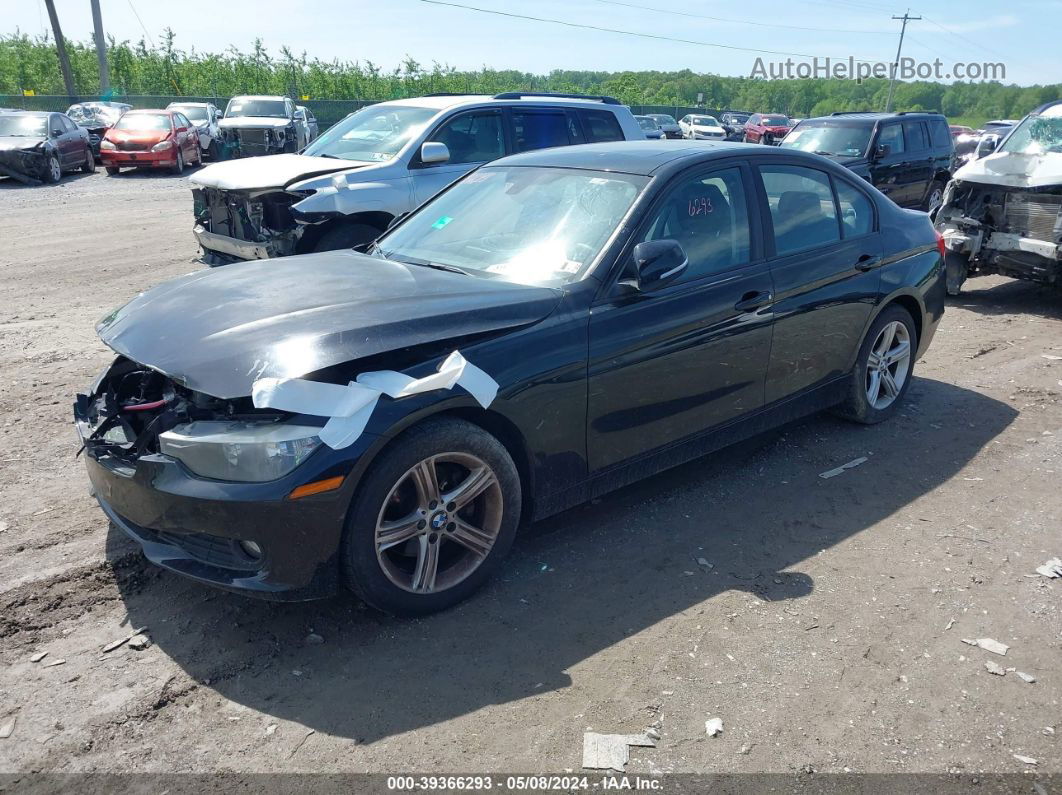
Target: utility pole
<point>101,48</point>
<point>60,47</point>
<point>896,65</point>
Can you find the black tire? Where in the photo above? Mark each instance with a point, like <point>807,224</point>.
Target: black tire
<point>347,236</point>
<point>767,139</point>
<point>214,150</point>
<point>362,568</point>
<point>90,162</point>
<point>53,170</point>
<point>934,196</point>
<point>857,406</point>
<point>113,170</point>
<point>290,147</point>
<point>198,155</point>
<point>178,167</point>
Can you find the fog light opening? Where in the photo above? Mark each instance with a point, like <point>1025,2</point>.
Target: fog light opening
<point>251,550</point>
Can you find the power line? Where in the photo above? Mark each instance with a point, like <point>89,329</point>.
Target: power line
<point>740,21</point>
<point>896,64</point>
<point>138,19</point>
<point>960,37</point>
<point>624,32</point>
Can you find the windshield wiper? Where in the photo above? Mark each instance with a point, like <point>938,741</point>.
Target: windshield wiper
<point>439,266</point>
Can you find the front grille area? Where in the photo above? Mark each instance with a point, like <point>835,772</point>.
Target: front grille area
<point>133,146</point>
<point>255,140</point>
<point>222,552</point>
<point>1034,215</point>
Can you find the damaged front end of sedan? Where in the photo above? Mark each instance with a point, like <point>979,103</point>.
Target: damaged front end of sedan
<point>27,163</point>
<point>1002,214</point>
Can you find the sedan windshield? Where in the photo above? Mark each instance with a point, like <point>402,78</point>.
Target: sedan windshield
<point>275,108</point>
<point>372,134</point>
<point>23,125</point>
<point>704,121</point>
<point>143,121</point>
<point>829,138</point>
<point>527,225</point>
<point>1037,135</point>
<point>662,118</point>
<point>193,112</point>
<point>646,123</point>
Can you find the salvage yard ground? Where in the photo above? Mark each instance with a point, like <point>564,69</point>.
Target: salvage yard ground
<point>823,625</point>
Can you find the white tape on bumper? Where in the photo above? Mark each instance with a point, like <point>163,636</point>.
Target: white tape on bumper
<point>350,407</point>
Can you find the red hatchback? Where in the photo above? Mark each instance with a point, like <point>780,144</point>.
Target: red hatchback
<point>153,138</point>
<point>766,128</point>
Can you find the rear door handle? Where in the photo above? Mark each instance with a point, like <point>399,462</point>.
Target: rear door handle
<point>753,300</point>
<point>867,262</point>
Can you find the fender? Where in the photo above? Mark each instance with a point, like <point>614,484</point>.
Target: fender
<point>337,196</point>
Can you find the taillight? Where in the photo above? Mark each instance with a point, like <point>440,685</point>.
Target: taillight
<point>940,244</point>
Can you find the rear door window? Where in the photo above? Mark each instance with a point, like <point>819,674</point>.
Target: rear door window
<point>857,211</point>
<point>538,129</point>
<point>803,212</point>
<point>473,137</point>
<point>939,134</point>
<point>600,126</point>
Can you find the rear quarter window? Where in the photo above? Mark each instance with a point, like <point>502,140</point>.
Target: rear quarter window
<point>601,126</point>
<point>939,134</point>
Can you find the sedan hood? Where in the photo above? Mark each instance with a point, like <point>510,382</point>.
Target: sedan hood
<point>271,171</point>
<point>217,331</point>
<point>16,143</point>
<point>1014,170</point>
<point>256,122</point>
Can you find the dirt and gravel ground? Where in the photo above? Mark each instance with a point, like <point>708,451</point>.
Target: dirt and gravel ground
<point>826,634</point>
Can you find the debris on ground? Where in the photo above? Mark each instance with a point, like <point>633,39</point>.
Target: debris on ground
<point>1052,568</point>
<point>1025,677</point>
<point>1028,760</point>
<point>705,564</point>
<point>313,639</point>
<point>116,644</point>
<point>271,729</point>
<point>1049,731</point>
<point>1052,357</point>
<point>3,526</point>
<point>7,729</point>
<point>611,751</point>
<point>36,658</point>
<point>832,473</point>
<point>713,726</point>
<point>950,625</point>
<point>988,644</point>
<point>139,642</point>
<point>995,668</point>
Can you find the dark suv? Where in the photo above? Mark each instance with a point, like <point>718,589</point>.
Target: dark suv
<point>907,156</point>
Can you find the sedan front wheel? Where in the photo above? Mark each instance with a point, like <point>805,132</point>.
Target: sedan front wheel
<point>432,519</point>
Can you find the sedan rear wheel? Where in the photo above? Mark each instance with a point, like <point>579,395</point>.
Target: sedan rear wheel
<point>178,167</point>
<point>90,162</point>
<point>432,519</point>
<point>883,368</point>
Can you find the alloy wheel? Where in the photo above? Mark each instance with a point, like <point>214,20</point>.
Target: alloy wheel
<point>936,198</point>
<point>888,365</point>
<point>439,522</point>
<point>55,171</point>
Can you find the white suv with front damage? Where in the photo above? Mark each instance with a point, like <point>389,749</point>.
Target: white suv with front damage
<point>378,164</point>
<point>1003,213</point>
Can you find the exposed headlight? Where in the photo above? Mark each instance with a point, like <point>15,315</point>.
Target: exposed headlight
<point>162,146</point>
<point>108,145</point>
<point>250,452</point>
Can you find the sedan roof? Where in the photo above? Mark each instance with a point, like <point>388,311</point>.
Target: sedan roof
<point>632,157</point>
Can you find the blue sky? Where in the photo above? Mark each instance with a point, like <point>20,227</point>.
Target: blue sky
<point>1023,34</point>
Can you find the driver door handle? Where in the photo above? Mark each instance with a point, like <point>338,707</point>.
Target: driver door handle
<point>867,262</point>
<point>754,300</point>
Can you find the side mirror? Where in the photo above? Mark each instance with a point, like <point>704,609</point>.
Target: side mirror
<point>300,116</point>
<point>434,152</point>
<point>882,150</point>
<point>987,145</point>
<point>56,132</point>
<point>657,263</point>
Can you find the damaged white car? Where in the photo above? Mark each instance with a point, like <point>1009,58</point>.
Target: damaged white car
<point>378,164</point>
<point>256,125</point>
<point>1003,213</point>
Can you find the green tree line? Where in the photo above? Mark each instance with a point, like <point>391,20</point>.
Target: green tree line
<point>162,68</point>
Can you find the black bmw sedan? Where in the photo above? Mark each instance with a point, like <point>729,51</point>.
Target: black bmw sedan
<point>551,327</point>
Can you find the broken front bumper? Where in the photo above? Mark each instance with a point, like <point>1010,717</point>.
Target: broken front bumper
<point>241,249</point>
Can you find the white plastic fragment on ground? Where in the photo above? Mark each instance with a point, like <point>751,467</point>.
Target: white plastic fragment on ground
<point>713,726</point>
<point>611,751</point>
<point>1052,568</point>
<point>7,729</point>
<point>995,668</point>
<point>349,407</point>
<point>988,644</point>
<point>1028,760</point>
<point>832,473</point>
<point>1029,678</point>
